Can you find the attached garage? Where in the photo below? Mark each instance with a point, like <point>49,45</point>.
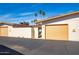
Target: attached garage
<point>57,32</point>
<point>63,27</point>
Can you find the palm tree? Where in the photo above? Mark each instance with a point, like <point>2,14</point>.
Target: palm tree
<point>35,20</point>
<point>41,12</point>
<point>35,14</point>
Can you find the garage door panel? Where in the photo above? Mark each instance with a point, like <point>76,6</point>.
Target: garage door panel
<point>57,32</point>
<point>3,31</point>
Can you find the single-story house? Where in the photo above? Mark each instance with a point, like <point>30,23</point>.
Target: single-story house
<point>63,27</point>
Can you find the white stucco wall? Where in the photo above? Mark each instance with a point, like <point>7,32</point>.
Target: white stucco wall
<point>20,32</point>
<point>36,32</point>
<point>43,31</point>
<point>73,23</point>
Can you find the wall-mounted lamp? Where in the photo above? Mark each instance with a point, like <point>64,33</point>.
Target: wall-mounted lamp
<point>73,30</point>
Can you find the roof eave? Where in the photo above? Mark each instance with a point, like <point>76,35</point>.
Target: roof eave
<point>77,12</point>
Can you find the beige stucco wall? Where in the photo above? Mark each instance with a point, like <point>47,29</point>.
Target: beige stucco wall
<point>4,30</point>
<point>73,23</point>
<point>36,32</point>
<point>20,32</point>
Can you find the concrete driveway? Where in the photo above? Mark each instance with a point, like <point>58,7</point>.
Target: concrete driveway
<point>40,46</point>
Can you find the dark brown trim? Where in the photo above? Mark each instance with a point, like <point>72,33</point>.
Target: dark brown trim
<point>55,24</point>
<point>22,27</point>
<point>37,26</point>
<point>4,27</point>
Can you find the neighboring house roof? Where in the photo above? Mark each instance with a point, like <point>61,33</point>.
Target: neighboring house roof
<point>20,25</point>
<point>5,23</point>
<point>13,25</point>
<point>61,16</point>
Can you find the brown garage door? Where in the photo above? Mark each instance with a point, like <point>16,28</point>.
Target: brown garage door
<point>3,31</point>
<point>57,32</point>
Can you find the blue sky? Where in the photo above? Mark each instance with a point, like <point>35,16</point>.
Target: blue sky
<point>17,12</point>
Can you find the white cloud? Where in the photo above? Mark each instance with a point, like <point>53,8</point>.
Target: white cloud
<point>9,18</point>
<point>5,16</point>
<point>26,14</point>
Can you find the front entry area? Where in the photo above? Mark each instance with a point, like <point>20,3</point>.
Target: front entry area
<point>56,32</point>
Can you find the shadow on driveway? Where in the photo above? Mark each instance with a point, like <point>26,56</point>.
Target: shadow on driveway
<point>7,51</point>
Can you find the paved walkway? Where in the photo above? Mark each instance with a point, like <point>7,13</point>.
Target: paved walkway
<point>41,47</point>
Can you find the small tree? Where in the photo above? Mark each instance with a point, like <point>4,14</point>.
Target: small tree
<point>26,23</point>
